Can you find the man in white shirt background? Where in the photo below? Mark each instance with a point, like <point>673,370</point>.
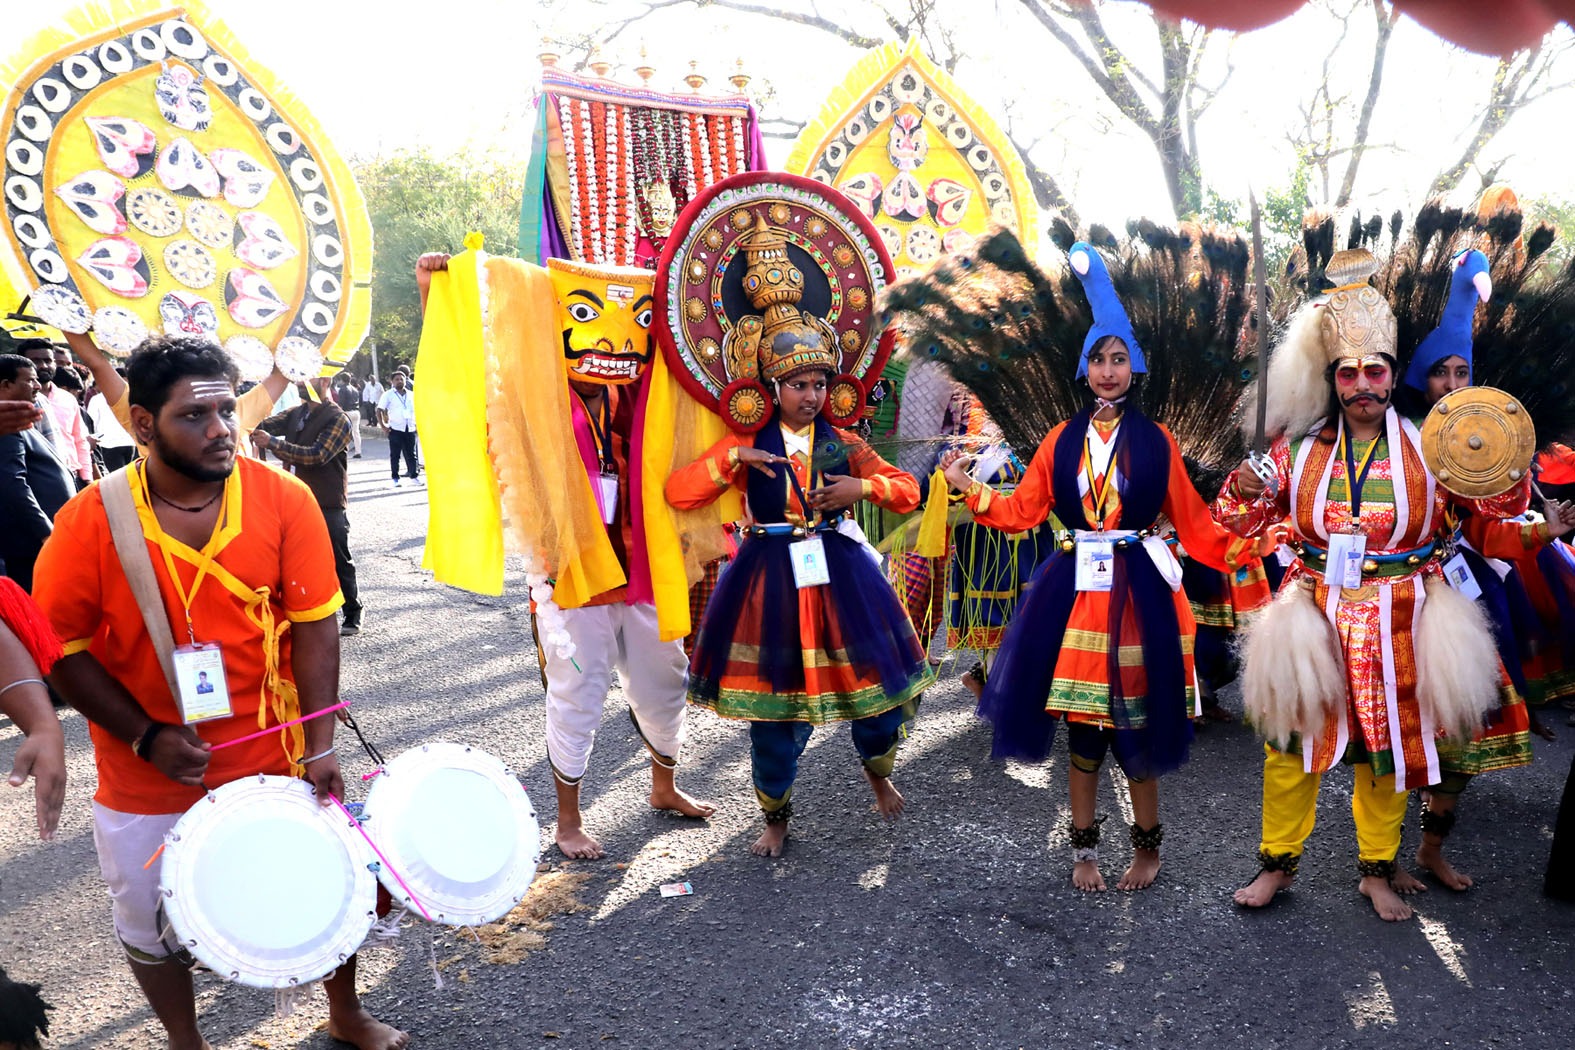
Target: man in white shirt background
<point>371,394</point>
<point>115,445</point>
<point>65,412</point>
<point>396,413</point>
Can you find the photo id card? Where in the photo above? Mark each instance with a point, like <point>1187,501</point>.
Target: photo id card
<point>809,562</point>
<point>1096,564</point>
<point>1347,550</point>
<point>1459,576</point>
<point>204,691</point>
<point>607,496</point>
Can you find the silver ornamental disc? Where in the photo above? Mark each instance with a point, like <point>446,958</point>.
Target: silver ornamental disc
<point>119,330</point>
<point>62,308</point>
<point>251,356</point>
<point>298,359</point>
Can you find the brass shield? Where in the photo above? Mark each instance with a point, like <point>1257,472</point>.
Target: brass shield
<point>1478,442</point>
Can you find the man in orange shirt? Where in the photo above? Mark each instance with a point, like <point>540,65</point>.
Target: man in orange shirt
<point>242,559</point>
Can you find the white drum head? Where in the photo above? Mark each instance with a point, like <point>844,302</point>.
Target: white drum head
<point>266,887</point>
<point>458,828</point>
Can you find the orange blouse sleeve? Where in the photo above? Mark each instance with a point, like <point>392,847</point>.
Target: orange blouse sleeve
<point>701,482</point>
<point>1204,540</point>
<point>1506,540</point>
<point>1026,506</point>
<point>884,485</point>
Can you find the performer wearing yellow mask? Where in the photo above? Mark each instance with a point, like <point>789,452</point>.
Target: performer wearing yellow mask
<point>566,351</point>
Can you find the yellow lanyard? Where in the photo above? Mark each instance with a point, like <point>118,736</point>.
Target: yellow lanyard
<point>165,541</point>
<point>1100,490</point>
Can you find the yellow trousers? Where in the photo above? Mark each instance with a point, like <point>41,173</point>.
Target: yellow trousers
<point>1290,805</point>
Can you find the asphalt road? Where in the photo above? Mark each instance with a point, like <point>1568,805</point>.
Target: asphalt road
<point>956,927</point>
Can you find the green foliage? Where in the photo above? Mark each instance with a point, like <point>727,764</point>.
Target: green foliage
<point>1560,212</point>
<point>1282,206</point>
<point>421,202</point>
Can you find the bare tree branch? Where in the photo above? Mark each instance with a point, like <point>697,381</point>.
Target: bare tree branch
<point>1385,21</point>
<point>1517,81</point>
<point>1047,191</point>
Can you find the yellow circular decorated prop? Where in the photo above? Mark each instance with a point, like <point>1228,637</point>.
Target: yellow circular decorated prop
<point>928,167</point>
<point>153,170</point>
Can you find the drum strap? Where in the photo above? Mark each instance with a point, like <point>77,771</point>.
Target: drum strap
<point>132,548</point>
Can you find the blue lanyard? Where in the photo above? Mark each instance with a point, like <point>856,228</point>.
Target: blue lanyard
<point>1355,478</point>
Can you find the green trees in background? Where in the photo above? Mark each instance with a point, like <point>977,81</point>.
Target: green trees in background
<point>425,202</point>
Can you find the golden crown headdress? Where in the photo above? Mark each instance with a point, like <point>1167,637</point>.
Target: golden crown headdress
<point>1356,320</point>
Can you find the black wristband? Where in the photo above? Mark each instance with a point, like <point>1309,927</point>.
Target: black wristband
<point>145,743</point>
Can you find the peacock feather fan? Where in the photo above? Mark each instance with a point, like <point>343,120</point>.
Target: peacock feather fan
<point>1012,334</point>
<point>1524,336</point>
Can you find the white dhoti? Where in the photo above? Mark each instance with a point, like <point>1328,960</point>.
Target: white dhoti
<point>654,675</point>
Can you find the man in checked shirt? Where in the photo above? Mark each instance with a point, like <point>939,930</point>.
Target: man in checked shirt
<point>312,439</point>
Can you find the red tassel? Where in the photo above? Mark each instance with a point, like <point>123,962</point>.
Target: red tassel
<point>28,623</point>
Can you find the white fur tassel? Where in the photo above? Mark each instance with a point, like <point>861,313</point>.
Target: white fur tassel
<point>1458,669</point>
<point>1298,392</point>
<point>1292,673</point>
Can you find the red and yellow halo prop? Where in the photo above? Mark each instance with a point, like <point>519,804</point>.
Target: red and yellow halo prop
<point>700,294</point>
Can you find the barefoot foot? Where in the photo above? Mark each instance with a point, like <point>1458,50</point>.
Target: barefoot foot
<point>1431,858</point>
<point>771,841</point>
<point>1263,889</point>
<point>1386,902</point>
<point>365,1032</point>
<point>575,844</point>
<point>1405,884</point>
<point>888,800</point>
<point>680,802</point>
<point>1143,872</point>
<point>1086,876</point>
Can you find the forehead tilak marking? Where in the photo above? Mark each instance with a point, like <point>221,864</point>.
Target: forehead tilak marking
<point>210,388</point>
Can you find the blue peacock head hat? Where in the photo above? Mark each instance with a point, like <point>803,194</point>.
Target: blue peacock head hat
<point>1468,284</point>
<point>1110,317</point>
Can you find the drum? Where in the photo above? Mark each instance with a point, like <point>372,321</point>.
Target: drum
<point>266,887</point>
<point>1478,441</point>
<point>458,832</point>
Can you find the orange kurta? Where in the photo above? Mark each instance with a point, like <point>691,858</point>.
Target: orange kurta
<point>271,564</point>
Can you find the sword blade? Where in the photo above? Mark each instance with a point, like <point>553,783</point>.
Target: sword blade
<point>1261,279</point>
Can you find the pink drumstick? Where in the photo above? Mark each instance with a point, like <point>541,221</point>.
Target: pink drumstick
<point>282,725</point>
<point>397,878</point>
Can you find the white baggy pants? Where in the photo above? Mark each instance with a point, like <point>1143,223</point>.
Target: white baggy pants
<point>654,675</point>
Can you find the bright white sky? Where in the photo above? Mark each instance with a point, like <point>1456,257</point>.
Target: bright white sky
<point>459,75</point>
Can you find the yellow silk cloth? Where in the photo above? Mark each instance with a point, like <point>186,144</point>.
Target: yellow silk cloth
<point>931,542</point>
<point>465,521</point>
<point>494,414</point>
<point>677,431</point>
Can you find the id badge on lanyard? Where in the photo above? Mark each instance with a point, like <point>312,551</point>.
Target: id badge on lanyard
<point>809,562</point>
<point>1459,576</point>
<point>204,690</point>
<point>1096,563</point>
<point>1347,551</point>
<point>607,496</point>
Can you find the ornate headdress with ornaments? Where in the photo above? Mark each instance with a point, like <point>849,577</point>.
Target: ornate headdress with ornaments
<point>765,276</point>
<point>1350,323</point>
<point>1357,323</point>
